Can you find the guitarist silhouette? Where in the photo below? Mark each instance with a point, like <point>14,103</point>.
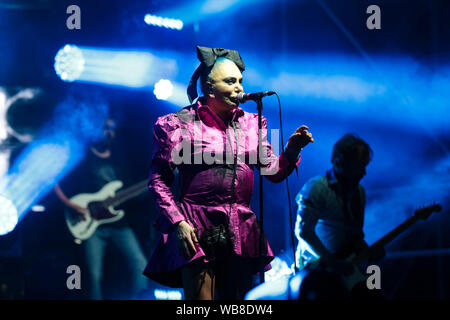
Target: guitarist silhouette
<point>330,222</point>
<point>96,171</point>
<point>331,248</point>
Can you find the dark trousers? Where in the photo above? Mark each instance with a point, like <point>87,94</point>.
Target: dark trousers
<point>124,243</point>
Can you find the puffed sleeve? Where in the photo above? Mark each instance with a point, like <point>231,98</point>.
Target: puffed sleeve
<point>166,137</point>
<point>276,168</point>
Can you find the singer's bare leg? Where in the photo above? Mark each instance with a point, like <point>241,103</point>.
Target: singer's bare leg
<point>198,282</point>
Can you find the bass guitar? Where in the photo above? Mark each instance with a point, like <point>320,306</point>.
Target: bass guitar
<point>100,207</point>
<point>354,274</point>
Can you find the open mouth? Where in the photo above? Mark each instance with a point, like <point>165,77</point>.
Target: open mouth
<point>234,99</point>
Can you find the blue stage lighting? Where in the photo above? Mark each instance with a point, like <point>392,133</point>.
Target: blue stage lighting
<point>134,69</point>
<point>8,215</point>
<point>58,147</point>
<point>163,89</point>
<point>194,11</point>
<point>178,96</point>
<point>163,22</point>
<point>35,172</point>
<point>167,294</point>
<point>38,208</point>
<point>279,269</point>
<point>214,6</point>
<point>69,63</point>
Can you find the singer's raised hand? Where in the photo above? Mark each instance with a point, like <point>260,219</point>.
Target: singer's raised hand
<point>300,138</point>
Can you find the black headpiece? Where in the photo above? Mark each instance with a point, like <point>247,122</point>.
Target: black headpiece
<point>208,57</point>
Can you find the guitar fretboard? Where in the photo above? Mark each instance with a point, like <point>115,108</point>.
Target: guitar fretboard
<point>396,232</point>
<point>418,214</point>
<point>127,194</point>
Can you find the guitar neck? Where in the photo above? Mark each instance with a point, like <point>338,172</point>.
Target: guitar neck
<point>396,232</point>
<point>127,194</point>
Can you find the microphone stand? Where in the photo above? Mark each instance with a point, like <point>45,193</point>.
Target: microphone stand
<point>261,216</point>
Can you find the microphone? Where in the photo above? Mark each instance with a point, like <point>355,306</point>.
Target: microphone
<point>244,97</point>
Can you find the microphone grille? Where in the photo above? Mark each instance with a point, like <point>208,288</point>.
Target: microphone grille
<point>240,96</point>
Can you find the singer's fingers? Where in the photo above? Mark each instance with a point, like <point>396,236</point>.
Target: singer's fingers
<point>194,236</point>
<point>190,246</point>
<point>302,128</point>
<point>302,135</point>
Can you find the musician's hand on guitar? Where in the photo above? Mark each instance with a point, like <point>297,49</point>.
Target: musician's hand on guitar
<point>362,252</point>
<point>82,211</point>
<point>340,266</point>
<point>377,253</point>
<point>362,255</point>
<point>185,239</point>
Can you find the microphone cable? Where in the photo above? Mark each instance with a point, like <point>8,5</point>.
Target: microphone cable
<point>287,188</point>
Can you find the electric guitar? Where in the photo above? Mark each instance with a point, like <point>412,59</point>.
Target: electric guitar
<point>100,206</point>
<point>355,274</point>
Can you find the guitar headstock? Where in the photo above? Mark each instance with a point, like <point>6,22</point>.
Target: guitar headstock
<point>425,212</point>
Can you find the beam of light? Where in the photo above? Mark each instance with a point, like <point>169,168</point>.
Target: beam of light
<point>178,98</point>
<point>280,268</point>
<point>163,89</point>
<point>5,103</point>
<point>69,63</point>
<point>343,88</point>
<point>6,130</point>
<point>59,147</point>
<point>134,69</point>
<point>4,162</point>
<point>408,93</point>
<point>214,6</point>
<point>38,208</point>
<point>167,294</point>
<point>196,11</point>
<point>163,22</point>
<point>35,172</point>
<point>8,216</point>
<point>279,282</point>
<point>391,207</point>
<point>3,120</point>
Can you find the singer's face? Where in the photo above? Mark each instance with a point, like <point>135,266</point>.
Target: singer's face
<point>226,83</point>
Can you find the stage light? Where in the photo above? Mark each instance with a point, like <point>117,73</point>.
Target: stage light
<point>57,148</point>
<point>167,294</point>
<point>190,12</point>
<point>3,121</point>
<point>69,63</point>
<point>214,6</point>
<point>134,69</point>
<point>8,215</point>
<point>279,269</point>
<point>34,172</point>
<point>163,22</point>
<point>163,89</point>
<point>38,208</point>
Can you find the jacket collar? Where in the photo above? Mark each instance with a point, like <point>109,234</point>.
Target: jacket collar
<point>211,119</point>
